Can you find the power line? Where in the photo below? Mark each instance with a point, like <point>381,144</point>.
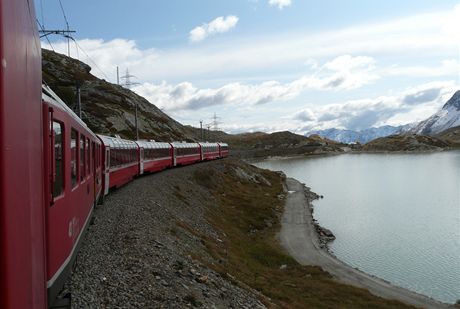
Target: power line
<point>100,70</point>
<point>43,16</point>
<point>63,13</point>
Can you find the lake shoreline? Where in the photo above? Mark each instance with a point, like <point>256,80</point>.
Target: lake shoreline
<point>301,240</point>
<point>331,154</point>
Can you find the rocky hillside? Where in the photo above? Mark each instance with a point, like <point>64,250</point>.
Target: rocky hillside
<point>451,135</point>
<point>107,108</point>
<point>448,117</point>
<point>406,142</point>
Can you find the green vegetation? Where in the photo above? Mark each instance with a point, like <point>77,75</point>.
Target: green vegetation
<point>247,217</point>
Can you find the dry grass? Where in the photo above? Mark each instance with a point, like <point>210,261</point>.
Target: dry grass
<point>248,218</point>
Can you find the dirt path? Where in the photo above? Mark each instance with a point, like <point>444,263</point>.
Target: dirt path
<point>299,238</point>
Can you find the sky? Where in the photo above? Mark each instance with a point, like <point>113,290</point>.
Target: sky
<point>271,65</point>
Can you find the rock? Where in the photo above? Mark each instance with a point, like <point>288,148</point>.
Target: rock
<point>284,266</point>
<point>202,279</point>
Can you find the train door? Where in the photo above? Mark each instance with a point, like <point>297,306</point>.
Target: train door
<point>141,160</point>
<point>62,165</point>
<point>107,170</point>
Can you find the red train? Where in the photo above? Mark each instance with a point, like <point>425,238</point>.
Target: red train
<point>53,169</point>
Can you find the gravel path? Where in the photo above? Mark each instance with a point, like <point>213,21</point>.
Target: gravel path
<point>299,238</point>
<point>139,251</point>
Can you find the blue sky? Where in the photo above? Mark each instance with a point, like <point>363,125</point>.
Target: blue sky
<point>273,65</point>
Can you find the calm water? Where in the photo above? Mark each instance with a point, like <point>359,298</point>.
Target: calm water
<point>395,216</point>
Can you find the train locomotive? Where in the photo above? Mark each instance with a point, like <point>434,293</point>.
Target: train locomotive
<point>54,169</point>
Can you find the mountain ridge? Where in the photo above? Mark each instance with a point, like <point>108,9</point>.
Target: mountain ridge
<point>362,136</point>
<point>447,117</point>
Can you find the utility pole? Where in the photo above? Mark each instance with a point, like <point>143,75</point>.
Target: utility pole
<point>128,84</point>
<point>209,133</point>
<point>78,88</point>
<point>137,127</point>
<point>201,129</point>
<point>118,76</point>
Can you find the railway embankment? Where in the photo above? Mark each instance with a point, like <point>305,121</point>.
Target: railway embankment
<point>205,235</point>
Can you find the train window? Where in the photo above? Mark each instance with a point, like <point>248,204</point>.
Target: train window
<point>113,158</point>
<point>82,157</point>
<point>73,156</point>
<point>58,131</point>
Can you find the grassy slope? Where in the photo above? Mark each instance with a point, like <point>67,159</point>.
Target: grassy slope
<point>248,217</point>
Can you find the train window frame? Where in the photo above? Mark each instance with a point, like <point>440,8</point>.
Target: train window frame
<point>82,153</point>
<point>62,156</point>
<point>74,162</point>
<point>88,157</point>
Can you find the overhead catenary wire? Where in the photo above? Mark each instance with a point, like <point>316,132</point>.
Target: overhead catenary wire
<point>67,25</point>
<point>46,37</point>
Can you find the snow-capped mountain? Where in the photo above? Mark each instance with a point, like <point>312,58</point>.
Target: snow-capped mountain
<point>448,117</point>
<point>363,136</point>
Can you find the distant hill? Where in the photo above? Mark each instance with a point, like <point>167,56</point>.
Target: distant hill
<point>108,108</point>
<point>259,144</point>
<point>407,142</point>
<point>363,136</point>
<point>448,117</point>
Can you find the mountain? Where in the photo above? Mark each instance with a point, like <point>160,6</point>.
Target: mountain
<point>363,136</point>
<point>448,117</point>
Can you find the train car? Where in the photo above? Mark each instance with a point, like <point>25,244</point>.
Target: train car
<point>209,151</point>
<point>120,161</point>
<point>72,184</point>
<point>223,150</point>
<point>154,156</point>
<point>186,153</point>
<point>22,206</point>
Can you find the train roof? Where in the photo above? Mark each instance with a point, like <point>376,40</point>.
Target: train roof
<point>184,145</point>
<point>116,142</point>
<point>51,97</point>
<point>208,144</point>
<point>153,145</point>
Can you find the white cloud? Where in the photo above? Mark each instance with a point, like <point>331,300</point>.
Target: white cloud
<point>413,104</point>
<point>279,3</point>
<point>219,25</point>
<point>445,68</point>
<point>353,74</point>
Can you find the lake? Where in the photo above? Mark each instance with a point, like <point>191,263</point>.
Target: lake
<point>396,216</point>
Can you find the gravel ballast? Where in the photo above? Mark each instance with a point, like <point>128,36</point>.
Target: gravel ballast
<point>139,253</point>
